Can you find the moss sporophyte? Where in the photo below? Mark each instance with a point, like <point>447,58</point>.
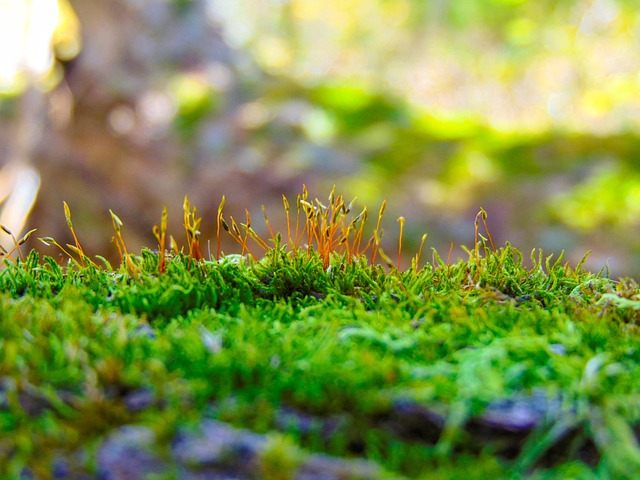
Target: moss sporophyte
<point>312,353</point>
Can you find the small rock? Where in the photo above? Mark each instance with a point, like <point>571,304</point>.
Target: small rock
<point>508,423</point>
<point>411,420</point>
<point>219,447</point>
<point>289,419</point>
<point>61,469</point>
<point>558,348</point>
<point>520,413</point>
<point>139,399</point>
<point>125,454</point>
<point>324,467</point>
<point>144,330</point>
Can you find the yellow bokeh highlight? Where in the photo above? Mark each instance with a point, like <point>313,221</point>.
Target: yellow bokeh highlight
<point>66,37</point>
<point>274,53</point>
<point>521,31</point>
<point>31,31</point>
<point>306,10</point>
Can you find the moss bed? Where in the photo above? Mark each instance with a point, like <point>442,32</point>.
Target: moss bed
<point>315,364</point>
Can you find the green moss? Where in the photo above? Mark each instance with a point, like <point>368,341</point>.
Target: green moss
<point>351,360</point>
<point>280,459</point>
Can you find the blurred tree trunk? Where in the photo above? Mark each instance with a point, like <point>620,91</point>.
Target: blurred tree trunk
<point>117,148</point>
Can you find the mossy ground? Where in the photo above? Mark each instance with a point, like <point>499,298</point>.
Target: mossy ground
<point>485,368</point>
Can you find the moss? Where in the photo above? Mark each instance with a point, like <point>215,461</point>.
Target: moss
<point>476,368</point>
<point>279,459</point>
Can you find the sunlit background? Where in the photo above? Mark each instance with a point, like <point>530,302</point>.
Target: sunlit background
<point>529,109</point>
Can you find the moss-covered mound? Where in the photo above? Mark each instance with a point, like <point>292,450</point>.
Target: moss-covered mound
<point>315,364</point>
<point>480,368</point>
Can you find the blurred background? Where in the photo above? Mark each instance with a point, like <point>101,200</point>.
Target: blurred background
<point>530,109</point>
